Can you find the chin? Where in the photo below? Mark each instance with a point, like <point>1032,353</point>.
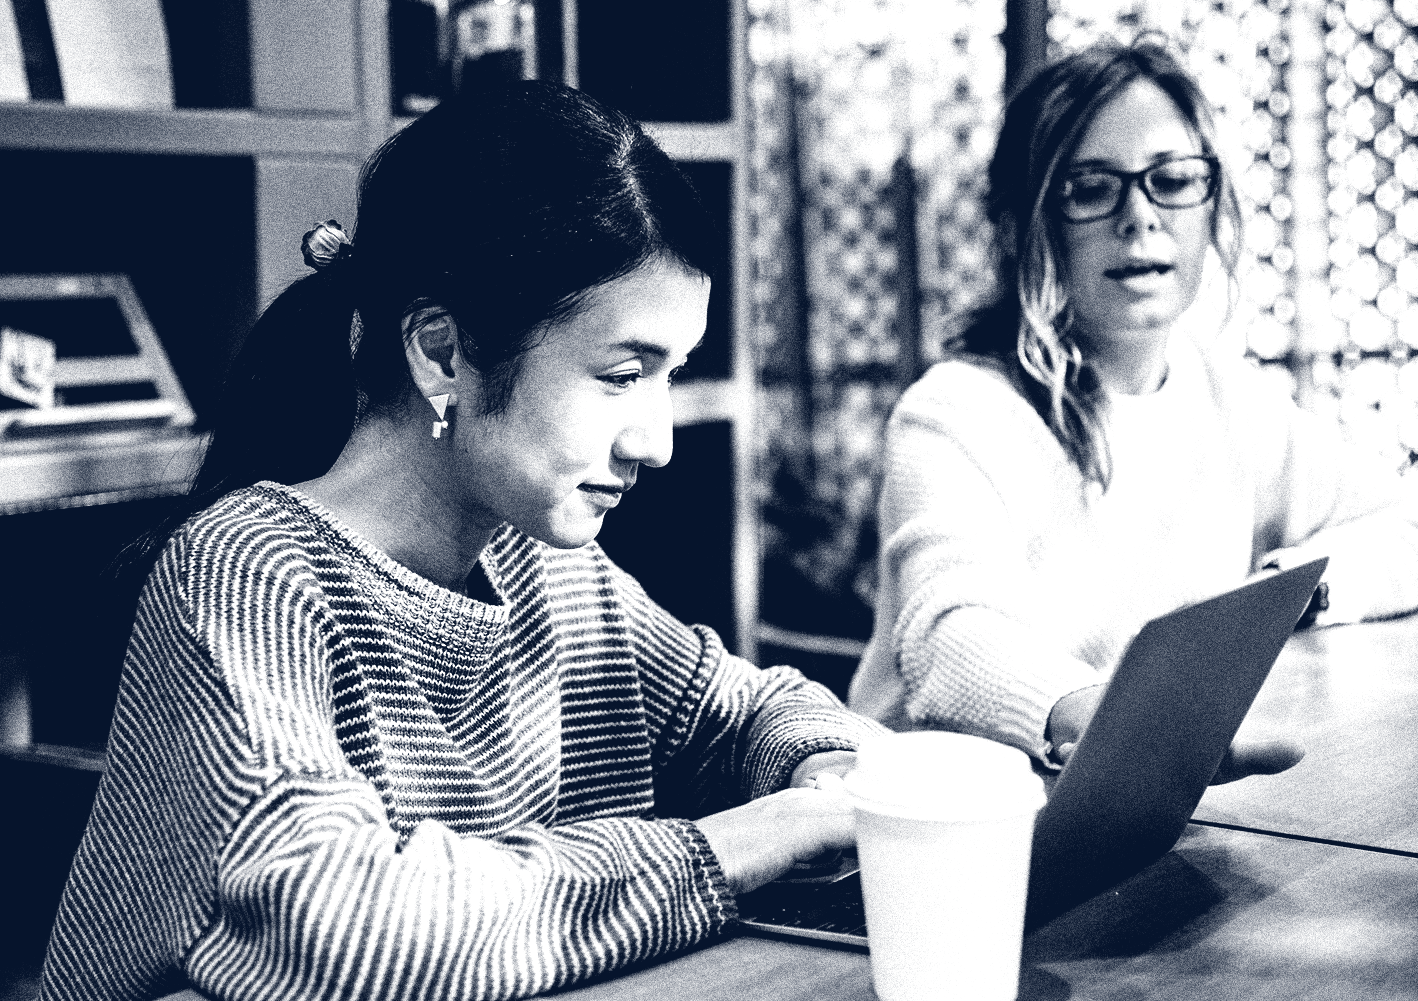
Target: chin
<point>1143,324</point>
<point>569,536</point>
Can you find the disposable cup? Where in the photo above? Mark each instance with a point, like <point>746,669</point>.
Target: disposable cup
<point>944,824</point>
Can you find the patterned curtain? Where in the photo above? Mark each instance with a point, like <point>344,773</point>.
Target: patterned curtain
<point>1364,353</point>
<point>872,122</point>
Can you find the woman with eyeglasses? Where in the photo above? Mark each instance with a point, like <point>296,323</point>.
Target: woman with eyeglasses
<point>1086,459</point>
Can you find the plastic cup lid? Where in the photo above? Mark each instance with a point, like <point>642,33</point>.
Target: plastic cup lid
<point>932,775</point>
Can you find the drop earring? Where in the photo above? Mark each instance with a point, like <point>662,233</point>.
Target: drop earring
<point>441,403</point>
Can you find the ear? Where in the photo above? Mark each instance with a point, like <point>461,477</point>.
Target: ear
<point>431,349</point>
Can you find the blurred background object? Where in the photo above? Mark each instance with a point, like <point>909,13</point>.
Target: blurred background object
<point>416,42</point>
<point>91,411</point>
<point>492,40</point>
<point>440,47</point>
<point>101,53</point>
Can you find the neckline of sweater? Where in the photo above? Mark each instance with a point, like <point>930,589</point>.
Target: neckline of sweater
<point>434,606</point>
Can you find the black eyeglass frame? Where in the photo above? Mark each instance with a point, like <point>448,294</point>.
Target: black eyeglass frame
<point>1129,178</point>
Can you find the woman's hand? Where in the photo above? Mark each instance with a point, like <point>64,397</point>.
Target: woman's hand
<point>1246,756</point>
<point>759,841</point>
<point>1257,757</point>
<point>1069,718</point>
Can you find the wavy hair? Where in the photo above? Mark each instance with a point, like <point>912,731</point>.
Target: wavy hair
<point>1030,327</point>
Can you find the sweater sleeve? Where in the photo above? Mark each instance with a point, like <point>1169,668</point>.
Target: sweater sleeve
<point>952,554</point>
<point>316,898</point>
<point>1320,494</point>
<point>725,731</point>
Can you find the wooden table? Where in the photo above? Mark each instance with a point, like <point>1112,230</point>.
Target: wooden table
<point>1313,896</point>
<point>1227,914</point>
<point>1350,695</point>
<point>1272,910</point>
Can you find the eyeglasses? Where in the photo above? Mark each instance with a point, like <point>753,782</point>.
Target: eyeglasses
<point>1097,193</point>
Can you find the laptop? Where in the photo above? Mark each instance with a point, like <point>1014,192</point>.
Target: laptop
<point>1164,723</point>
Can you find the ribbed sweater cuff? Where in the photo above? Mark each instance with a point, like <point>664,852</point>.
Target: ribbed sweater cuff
<point>710,884</point>
<point>807,732</point>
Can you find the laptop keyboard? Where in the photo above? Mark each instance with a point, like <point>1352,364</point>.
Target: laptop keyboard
<point>830,912</point>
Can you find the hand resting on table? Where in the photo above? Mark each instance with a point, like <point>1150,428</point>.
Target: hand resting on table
<point>1070,715</point>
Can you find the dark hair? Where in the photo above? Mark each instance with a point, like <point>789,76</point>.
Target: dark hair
<point>501,210</point>
<point>1029,327</point>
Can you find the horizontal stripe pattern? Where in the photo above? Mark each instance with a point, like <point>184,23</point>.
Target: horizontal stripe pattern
<point>331,778</point>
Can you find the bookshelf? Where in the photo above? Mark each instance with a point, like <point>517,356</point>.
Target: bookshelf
<point>203,207</point>
<point>681,70</point>
<point>316,101</point>
<point>248,179</point>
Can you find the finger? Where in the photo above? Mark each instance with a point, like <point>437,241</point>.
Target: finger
<point>1064,751</point>
<point>1257,758</point>
<point>838,762</point>
<point>829,782</point>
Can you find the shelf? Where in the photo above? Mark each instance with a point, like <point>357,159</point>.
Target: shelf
<point>687,141</point>
<point>110,469</point>
<point>704,401</point>
<point>76,758</point>
<point>43,125</point>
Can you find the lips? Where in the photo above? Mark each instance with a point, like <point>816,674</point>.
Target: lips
<point>1138,269</point>
<point>605,495</point>
<point>609,489</point>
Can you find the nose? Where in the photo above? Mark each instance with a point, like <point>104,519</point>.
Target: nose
<point>649,436</point>
<point>1138,213</point>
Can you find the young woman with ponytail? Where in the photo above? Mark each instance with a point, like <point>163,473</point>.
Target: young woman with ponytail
<point>1087,459</point>
<point>390,724</point>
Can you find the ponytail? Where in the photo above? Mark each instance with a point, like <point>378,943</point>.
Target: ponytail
<point>286,411</point>
<point>290,397</point>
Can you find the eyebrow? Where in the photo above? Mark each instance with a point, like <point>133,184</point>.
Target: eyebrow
<point>1157,158</point>
<point>649,348</point>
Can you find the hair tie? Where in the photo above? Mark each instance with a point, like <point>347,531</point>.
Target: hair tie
<point>325,244</point>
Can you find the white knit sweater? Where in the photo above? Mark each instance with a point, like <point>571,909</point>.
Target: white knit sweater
<point>331,778</point>
<point>1006,582</point>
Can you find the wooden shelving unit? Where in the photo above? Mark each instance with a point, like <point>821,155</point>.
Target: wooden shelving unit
<point>247,182</point>
<point>319,105</point>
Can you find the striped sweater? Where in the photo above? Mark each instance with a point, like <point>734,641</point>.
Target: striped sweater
<point>329,777</point>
